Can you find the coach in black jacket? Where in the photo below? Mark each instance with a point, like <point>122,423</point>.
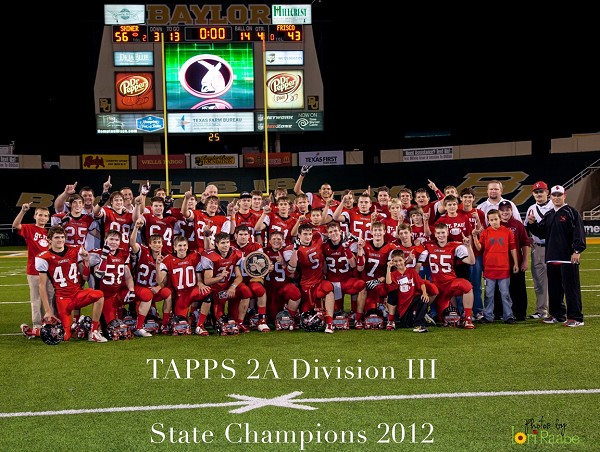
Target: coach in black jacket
<point>562,227</point>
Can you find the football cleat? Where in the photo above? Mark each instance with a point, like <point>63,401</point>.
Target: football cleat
<point>95,336</point>
<point>27,331</point>
<point>201,331</point>
<point>263,327</point>
<point>358,325</point>
<point>329,328</point>
<point>390,325</point>
<point>243,328</point>
<point>142,333</point>
<point>469,324</point>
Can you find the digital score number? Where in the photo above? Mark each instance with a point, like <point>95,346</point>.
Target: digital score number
<point>273,33</point>
<point>130,33</point>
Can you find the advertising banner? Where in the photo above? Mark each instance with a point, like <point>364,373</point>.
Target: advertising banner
<point>323,158</point>
<point>210,161</point>
<point>427,154</point>
<point>176,161</point>
<point>258,160</point>
<point>100,161</point>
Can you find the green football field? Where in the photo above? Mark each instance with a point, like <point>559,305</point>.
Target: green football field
<point>487,389</point>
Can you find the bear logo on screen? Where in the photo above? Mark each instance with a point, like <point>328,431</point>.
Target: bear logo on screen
<point>206,76</point>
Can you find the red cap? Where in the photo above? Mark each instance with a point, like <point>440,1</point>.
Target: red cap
<point>540,185</point>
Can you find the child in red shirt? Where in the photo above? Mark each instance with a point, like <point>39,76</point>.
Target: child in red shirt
<point>498,244</point>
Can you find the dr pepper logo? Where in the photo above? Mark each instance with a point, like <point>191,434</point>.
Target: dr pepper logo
<point>134,86</point>
<point>135,91</point>
<point>284,86</point>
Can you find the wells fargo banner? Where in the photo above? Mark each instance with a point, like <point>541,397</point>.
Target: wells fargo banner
<point>101,161</point>
<point>209,161</point>
<point>176,161</point>
<point>276,159</point>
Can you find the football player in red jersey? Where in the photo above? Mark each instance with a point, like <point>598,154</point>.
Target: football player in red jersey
<point>257,285</point>
<point>183,271</point>
<point>186,227</point>
<point>409,294</point>
<point>281,290</point>
<point>112,275</point>
<point>146,271</point>
<point>325,197</point>
<point>36,239</point>
<point>76,223</point>
<point>67,267</point>
<point>115,216</point>
<point>208,223</point>
<point>441,255</point>
<point>393,220</point>
<point>371,259</point>
<point>222,273</point>
<point>306,256</point>
<point>279,220</point>
<point>243,215</point>
<point>341,263</point>
<point>155,221</point>
<point>358,220</point>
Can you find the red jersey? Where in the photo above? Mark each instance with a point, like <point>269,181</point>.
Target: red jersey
<point>337,259</point>
<point>376,259</point>
<point>390,228</point>
<point>310,262</point>
<point>359,223</point>
<point>473,215</point>
<point>247,219</point>
<point>122,222</point>
<point>213,260</point>
<point>408,284</point>
<point>182,271</point>
<point>184,227</point>
<point>457,226</point>
<point>144,273</point>
<point>317,202</point>
<point>165,227</point>
<point>36,239</point>
<point>76,229</point>
<point>62,269</point>
<point>418,251</point>
<point>114,279</point>
<point>496,245</point>
<point>216,224</point>
<point>521,236</point>
<point>275,222</point>
<point>441,260</point>
<point>278,277</point>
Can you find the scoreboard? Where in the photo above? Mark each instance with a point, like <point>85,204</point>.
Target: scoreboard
<point>202,69</point>
<point>200,33</point>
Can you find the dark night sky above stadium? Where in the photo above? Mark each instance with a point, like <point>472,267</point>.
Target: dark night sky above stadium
<point>478,76</point>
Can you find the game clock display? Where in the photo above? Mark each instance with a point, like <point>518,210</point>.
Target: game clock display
<point>207,33</point>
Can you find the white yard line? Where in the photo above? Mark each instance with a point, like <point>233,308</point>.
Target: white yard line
<point>247,403</point>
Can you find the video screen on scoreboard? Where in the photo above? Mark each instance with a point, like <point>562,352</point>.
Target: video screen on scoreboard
<point>209,76</point>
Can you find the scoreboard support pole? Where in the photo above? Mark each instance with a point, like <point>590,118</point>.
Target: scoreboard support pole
<point>164,87</point>
<point>264,55</point>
